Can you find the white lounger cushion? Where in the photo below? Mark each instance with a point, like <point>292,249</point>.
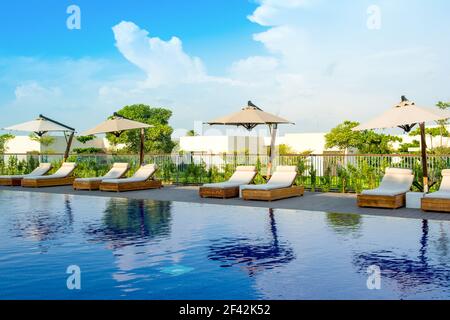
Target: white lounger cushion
<point>242,175</point>
<point>444,189</point>
<point>42,169</point>
<point>439,195</point>
<point>395,182</point>
<point>283,177</point>
<point>142,174</point>
<point>65,171</point>
<point>118,169</point>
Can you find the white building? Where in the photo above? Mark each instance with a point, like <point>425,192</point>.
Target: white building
<point>298,142</point>
<point>24,144</point>
<point>222,144</point>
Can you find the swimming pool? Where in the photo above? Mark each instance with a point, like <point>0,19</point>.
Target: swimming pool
<point>134,249</point>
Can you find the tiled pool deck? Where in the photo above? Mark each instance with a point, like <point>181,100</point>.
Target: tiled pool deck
<point>324,202</point>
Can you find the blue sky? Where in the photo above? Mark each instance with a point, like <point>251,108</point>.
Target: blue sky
<point>208,28</point>
<point>314,61</point>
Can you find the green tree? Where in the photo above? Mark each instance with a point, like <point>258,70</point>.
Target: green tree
<point>367,141</point>
<point>440,131</point>
<point>44,140</point>
<point>84,139</point>
<point>404,147</point>
<point>4,138</point>
<point>342,136</point>
<point>157,139</point>
<point>284,149</point>
<point>371,142</point>
<point>443,123</point>
<point>191,133</point>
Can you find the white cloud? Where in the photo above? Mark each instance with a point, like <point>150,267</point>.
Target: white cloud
<point>164,62</point>
<point>316,73</point>
<point>254,69</point>
<point>273,12</point>
<point>32,91</point>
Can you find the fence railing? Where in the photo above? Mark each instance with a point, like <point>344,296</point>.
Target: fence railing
<point>321,172</point>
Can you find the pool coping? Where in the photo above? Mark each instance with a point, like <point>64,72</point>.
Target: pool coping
<point>315,202</point>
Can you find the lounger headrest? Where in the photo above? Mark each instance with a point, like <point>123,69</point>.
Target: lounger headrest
<point>398,171</point>
<point>246,168</point>
<point>445,172</point>
<point>68,165</point>
<point>45,165</point>
<point>286,169</point>
<point>147,167</point>
<point>120,165</point>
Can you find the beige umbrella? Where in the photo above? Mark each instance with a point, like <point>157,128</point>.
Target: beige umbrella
<point>117,125</point>
<point>406,115</point>
<point>251,116</point>
<point>42,125</point>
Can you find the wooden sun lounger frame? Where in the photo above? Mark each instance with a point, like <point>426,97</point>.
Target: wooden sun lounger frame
<point>12,182</point>
<point>224,193</point>
<point>131,186</point>
<point>53,182</point>
<point>274,194</point>
<point>87,185</point>
<point>435,204</point>
<point>90,185</point>
<point>379,201</point>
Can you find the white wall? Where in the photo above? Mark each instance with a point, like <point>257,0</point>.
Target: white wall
<point>300,142</point>
<point>221,144</point>
<point>23,144</point>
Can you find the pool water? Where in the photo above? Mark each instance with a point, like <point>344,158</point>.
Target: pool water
<point>135,249</point>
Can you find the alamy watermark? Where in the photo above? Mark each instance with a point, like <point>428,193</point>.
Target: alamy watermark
<point>374,279</point>
<point>74,279</point>
<point>374,17</point>
<point>73,22</point>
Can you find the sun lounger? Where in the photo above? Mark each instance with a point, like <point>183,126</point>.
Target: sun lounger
<point>61,177</point>
<point>439,200</point>
<point>280,186</point>
<point>117,171</point>
<point>16,180</point>
<point>392,190</point>
<point>141,180</point>
<point>229,189</point>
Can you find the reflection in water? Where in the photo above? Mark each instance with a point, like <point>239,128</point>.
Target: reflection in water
<point>44,226</point>
<point>132,229</point>
<point>251,253</point>
<point>129,221</point>
<point>407,272</point>
<point>344,223</point>
<point>442,243</point>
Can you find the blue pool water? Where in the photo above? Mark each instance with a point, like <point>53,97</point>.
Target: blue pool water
<point>132,249</point>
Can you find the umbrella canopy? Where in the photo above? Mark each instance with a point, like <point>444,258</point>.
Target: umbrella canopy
<point>406,115</point>
<point>117,125</point>
<point>251,116</point>
<point>42,125</point>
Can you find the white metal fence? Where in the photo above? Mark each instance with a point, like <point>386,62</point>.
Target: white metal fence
<point>324,172</point>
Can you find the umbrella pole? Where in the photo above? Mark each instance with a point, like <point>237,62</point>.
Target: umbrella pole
<point>69,144</point>
<point>273,132</point>
<point>424,156</point>
<point>141,155</point>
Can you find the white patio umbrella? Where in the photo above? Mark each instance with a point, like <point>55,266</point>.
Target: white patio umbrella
<point>43,125</point>
<point>117,125</point>
<point>406,115</point>
<point>251,116</point>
